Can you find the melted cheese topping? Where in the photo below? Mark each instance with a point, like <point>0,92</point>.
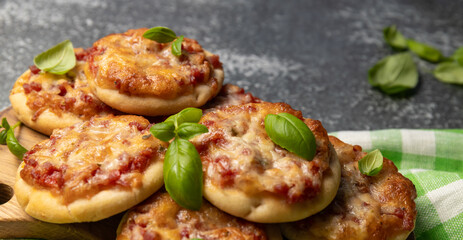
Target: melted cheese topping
<point>237,153</point>
<point>161,218</point>
<point>229,95</point>
<point>60,94</point>
<point>81,160</point>
<point>378,207</point>
<point>138,66</point>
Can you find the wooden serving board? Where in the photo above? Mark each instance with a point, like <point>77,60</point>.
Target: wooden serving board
<point>15,223</point>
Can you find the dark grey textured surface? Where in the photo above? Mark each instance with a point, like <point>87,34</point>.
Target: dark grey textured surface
<point>313,55</point>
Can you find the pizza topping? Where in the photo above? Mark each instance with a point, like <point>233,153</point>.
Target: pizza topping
<point>61,94</point>
<point>33,86</point>
<point>229,95</point>
<point>161,218</point>
<point>215,61</point>
<point>79,161</point>
<point>134,65</point>
<point>379,207</point>
<point>264,167</point>
<point>34,69</point>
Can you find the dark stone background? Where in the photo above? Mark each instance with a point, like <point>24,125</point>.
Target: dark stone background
<point>313,55</point>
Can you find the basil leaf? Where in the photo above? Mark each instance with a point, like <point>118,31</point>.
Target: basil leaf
<point>13,145</point>
<point>186,115</point>
<point>57,60</point>
<point>458,56</point>
<point>4,132</point>
<point>164,131</point>
<point>189,130</point>
<point>183,174</point>
<point>394,74</point>
<point>449,72</point>
<point>394,38</point>
<point>290,133</point>
<point>3,136</point>
<point>371,164</point>
<point>160,34</point>
<point>5,123</point>
<point>177,46</point>
<point>425,52</point>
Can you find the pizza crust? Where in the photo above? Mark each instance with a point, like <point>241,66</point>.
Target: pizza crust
<point>47,121</point>
<point>378,207</point>
<point>160,217</point>
<point>53,108</point>
<point>37,202</point>
<point>155,106</point>
<point>247,175</point>
<point>269,209</point>
<point>137,75</point>
<point>43,205</point>
<point>71,178</point>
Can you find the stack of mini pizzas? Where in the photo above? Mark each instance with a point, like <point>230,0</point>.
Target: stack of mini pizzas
<point>101,159</point>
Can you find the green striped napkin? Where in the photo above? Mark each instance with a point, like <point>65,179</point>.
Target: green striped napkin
<point>433,161</point>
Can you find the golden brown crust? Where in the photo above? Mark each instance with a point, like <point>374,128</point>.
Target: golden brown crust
<point>159,217</point>
<point>137,75</point>
<point>91,170</point>
<point>45,101</point>
<point>247,175</point>
<point>378,207</point>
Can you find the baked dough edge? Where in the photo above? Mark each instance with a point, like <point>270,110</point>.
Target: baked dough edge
<point>43,205</point>
<point>268,209</point>
<point>154,106</point>
<point>46,122</point>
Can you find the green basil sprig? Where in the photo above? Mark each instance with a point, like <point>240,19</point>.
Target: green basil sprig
<point>425,52</point>
<point>458,56</point>
<point>183,174</point>
<point>192,115</point>
<point>398,73</point>
<point>394,38</point>
<point>177,46</point>
<point>3,133</point>
<point>449,72</point>
<point>160,34</point>
<point>7,137</point>
<point>57,60</point>
<point>394,74</point>
<point>292,134</point>
<point>189,130</point>
<point>372,163</point>
<point>164,131</point>
<point>165,35</point>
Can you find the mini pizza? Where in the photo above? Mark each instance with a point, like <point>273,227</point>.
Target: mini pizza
<point>376,207</point>
<point>46,101</point>
<point>229,95</point>
<point>140,76</point>
<point>249,176</point>
<point>160,218</point>
<point>91,170</point>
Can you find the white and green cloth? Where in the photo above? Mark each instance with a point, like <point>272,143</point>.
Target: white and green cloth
<point>433,161</point>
